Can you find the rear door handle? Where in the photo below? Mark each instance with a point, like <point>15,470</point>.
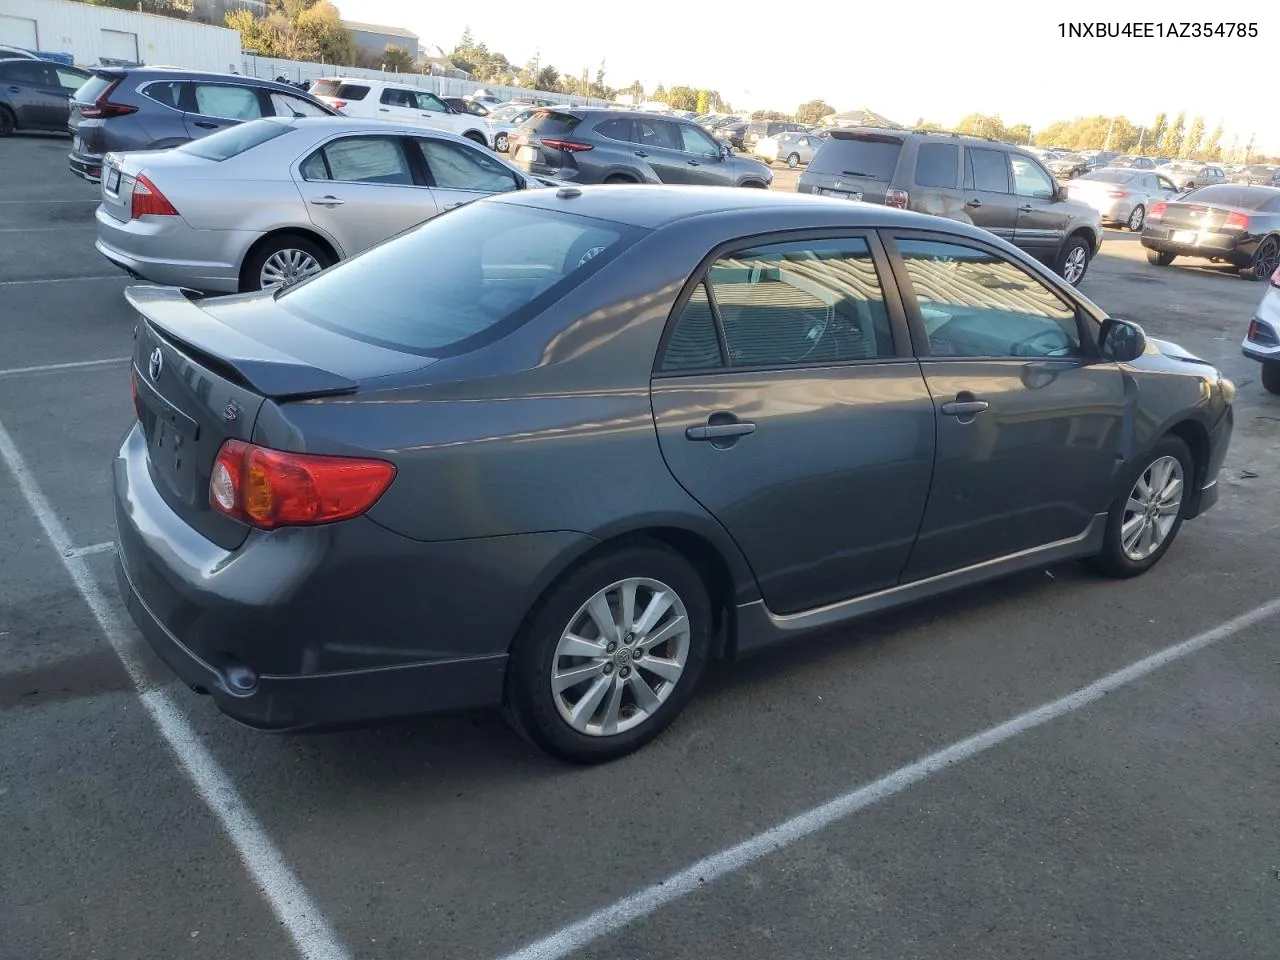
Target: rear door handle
<point>964,408</point>
<point>974,203</point>
<point>1027,209</point>
<point>206,124</point>
<point>384,109</point>
<point>720,431</point>
<point>694,163</point>
<point>15,89</point>
<point>641,153</point>
<point>327,201</point>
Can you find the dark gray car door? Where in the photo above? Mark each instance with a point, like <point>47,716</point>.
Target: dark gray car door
<point>1028,417</point>
<point>788,405</point>
<point>659,144</point>
<point>1042,216</point>
<point>988,191</point>
<point>38,100</point>
<point>703,159</point>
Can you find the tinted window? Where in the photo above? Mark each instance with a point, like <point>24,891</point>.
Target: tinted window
<point>338,90</point>
<point>28,71</point>
<point>872,159</point>
<point>460,280</point>
<point>694,140</point>
<point>1226,195</point>
<point>456,167</point>
<point>551,123</point>
<point>286,105</point>
<point>227,101</point>
<point>168,92</point>
<point>368,160</point>
<point>431,103</point>
<point>816,301</point>
<point>694,344</point>
<point>655,133</point>
<point>234,141</point>
<point>395,97</point>
<point>937,165</point>
<point>615,130</point>
<point>986,169</point>
<point>1029,180</point>
<point>978,304</point>
<point>93,88</point>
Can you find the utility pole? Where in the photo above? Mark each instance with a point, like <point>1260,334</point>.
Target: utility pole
<point>1110,127</point>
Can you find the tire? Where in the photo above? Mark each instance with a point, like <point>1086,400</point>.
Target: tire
<point>1271,376</point>
<point>755,185</point>
<point>1265,262</point>
<point>294,249</point>
<point>1138,216</point>
<point>619,178</point>
<point>793,161</point>
<point>475,137</point>
<point>1159,258</point>
<point>501,142</point>
<point>7,122</point>
<point>1114,559</point>
<point>543,716</point>
<point>1073,260</point>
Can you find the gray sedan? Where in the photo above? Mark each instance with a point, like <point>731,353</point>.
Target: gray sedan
<point>273,201</point>
<point>793,149</point>
<point>548,453</point>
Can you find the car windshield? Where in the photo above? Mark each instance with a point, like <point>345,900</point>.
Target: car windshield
<point>458,280</point>
<point>1110,176</point>
<point>234,141</point>
<point>1226,195</point>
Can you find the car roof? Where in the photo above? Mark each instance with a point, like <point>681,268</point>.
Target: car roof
<point>651,206</point>
<point>360,125</point>
<point>182,73</point>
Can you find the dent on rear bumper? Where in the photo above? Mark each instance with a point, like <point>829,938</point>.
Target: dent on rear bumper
<point>342,622</point>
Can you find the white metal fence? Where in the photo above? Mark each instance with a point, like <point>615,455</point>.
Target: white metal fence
<point>295,71</point>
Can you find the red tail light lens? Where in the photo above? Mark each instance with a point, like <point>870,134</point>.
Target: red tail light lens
<point>149,201</point>
<point>103,107</point>
<point>339,104</point>
<point>1157,210</point>
<point>896,198</point>
<point>571,145</point>
<point>1236,221</point>
<point>1117,194</point>
<point>271,488</point>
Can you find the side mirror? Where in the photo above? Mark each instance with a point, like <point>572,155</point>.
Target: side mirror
<point>726,150</point>
<point>1121,341</point>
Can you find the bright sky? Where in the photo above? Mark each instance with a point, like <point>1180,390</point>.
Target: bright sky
<point>933,59</point>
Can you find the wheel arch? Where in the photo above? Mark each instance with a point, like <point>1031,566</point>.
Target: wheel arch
<point>314,236</point>
<point>1196,436</point>
<point>1094,239</point>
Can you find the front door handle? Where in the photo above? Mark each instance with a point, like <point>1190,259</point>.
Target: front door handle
<point>206,124</point>
<point>384,109</point>
<point>327,201</point>
<point>454,206</point>
<point>15,89</point>
<point>694,163</point>
<point>975,203</point>
<point>1027,209</point>
<point>641,153</point>
<point>964,405</point>
<point>722,430</point>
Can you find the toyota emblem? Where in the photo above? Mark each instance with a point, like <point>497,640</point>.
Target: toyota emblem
<point>155,364</point>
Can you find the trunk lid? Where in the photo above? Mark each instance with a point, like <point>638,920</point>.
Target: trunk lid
<point>855,165</point>
<point>538,145</point>
<point>1196,216</point>
<point>203,373</point>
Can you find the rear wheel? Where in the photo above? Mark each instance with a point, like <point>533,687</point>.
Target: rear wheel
<point>1160,258</point>
<point>1137,218</point>
<point>282,261</point>
<point>755,184</point>
<point>1271,376</point>
<point>1265,260</point>
<point>1073,260</point>
<point>793,161</point>
<point>1144,520</point>
<point>619,178</point>
<point>612,656</point>
<point>7,122</point>
<point>501,142</point>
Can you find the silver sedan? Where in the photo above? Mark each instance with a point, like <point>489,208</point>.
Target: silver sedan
<point>272,201</point>
<point>505,121</point>
<point>1123,194</point>
<point>793,149</point>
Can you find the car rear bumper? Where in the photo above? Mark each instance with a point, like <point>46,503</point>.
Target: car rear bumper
<point>1260,353</point>
<point>85,166</point>
<point>166,250</point>
<point>304,627</point>
<point>1222,246</point>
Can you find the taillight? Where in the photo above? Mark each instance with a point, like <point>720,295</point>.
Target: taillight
<point>149,201</point>
<point>339,104</point>
<point>1275,278</point>
<point>133,390</point>
<point>573,146</point>
<point>896,198</point>
<point>103,107</point>
<point>1157,211</point>
<point>272,488</point>
<point>1235,221</point>
<point>1117,194</point>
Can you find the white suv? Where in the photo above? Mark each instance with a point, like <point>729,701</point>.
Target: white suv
<point>398,102</point>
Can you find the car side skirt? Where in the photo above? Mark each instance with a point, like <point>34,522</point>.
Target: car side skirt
<point>760,628</point>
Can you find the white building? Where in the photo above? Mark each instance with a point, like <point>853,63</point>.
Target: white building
<point>94,35</point>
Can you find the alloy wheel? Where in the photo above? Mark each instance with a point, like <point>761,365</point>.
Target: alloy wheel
<point>1073,266</point>
<point>500,143</point>
<point>286,267</point>
<point>620,657</point>
<point>1152,508</point>
<point>1135,219</point>
<point>1267,258</point>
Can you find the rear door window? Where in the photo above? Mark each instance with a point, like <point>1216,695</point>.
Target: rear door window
<point>287,105</point>
<point>227,101</point>
<point>455,167</point>
<point>938,165</point>
<point>339,90</point>
<point>619,129</point>
<point>873,158</point>
<point>987,169</point>
<point>166,92</point>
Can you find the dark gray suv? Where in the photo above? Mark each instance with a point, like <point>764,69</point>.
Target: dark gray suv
<point>152,108</point>
<point>586,145</point>
<point>990,184</point>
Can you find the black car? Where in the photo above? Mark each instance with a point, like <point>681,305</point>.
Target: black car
<point>1256,174</point>
<point>1225,222</point>
<point>120,109</point>
<point>463,105</point>
<point>34,94</point>
<point>733,134</point>
<point>555,450</point>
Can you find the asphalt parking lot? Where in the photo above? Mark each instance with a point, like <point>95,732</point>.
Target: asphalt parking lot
<point>1137,824</point>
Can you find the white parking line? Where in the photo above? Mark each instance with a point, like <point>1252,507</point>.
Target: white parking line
<point>288,898</point>
<point>93,548</point>
<point>644,902</point>
<point>88,200</point>
<point>113,276</point>
<point>50,367</point>
<point>69,226</point>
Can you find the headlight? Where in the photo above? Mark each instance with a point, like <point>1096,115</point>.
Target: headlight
<point>1227,387</point>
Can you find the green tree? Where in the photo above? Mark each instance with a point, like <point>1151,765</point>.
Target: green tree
<point>660,94</point>
<point>1191,146</point>
<point>704,102</point>
<point>1212,149</point>
<point>1172,142</point>
<point>812,111</point>
<point>325,35</point>
<point>397,59</point>
<point>769,115</point>
<point>982,125</point>
<point>1155,134</point>
<point>1020,133</point>
<point>683,98</point>
<point>548,79</point>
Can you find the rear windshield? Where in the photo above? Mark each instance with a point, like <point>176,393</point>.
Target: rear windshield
<point>339,90</point>
<point>551,123</point>
<point>1110,176</point>
<point>93,88</point>
<point>871,159</point>
<point>234,141</point>
<point>1227,195</point>
<point>459,280</point>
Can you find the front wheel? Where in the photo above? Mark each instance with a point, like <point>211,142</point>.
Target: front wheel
<point>1144,520</point>
<point>612,656</point>
<point>1266,259</point>
<point>1137,218</point>
<point>501,142</point>
<point>793,161</point>
<point>7,122</point>
<point>1073,260</point>
<point>1159,258</point>
<point>1271,376</point>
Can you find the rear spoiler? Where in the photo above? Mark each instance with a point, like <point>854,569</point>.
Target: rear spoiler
<point>228,352</point>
